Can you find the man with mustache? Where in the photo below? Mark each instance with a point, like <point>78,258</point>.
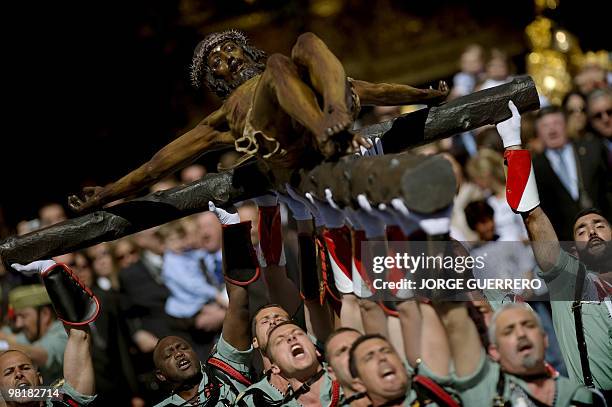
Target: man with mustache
<point>514,372</point>
<point>270,108</point>
<point>580,286</point>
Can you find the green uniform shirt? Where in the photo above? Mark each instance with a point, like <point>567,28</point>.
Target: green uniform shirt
<point>81,399</point>
<point>596,320</point>
<point>54,343</point>
<point>423,370</point>
<point>480,388</point>
<point>273,393</point>
<point>239,360</point>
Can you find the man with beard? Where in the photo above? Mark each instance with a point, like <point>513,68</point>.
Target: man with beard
<point>225,373</point>
<point>517,343</point>
<point>580,287</point>
<point>271,109</point>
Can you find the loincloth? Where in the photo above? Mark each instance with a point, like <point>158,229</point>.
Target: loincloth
<point>254,141</point>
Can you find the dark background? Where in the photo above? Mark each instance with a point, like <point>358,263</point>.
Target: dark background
<point>96,87</point>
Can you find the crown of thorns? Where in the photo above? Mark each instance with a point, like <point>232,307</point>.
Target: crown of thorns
<point>198,63</point>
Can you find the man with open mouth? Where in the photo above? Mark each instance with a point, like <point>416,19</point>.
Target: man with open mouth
<point>379,372</point>
<point>295,358</point>
<point>514,372</point>
<point>76,307</point>
<point>220,379</point>
<point>580,284</point>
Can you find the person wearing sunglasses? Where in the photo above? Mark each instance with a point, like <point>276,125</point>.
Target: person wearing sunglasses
<point>599,108</point>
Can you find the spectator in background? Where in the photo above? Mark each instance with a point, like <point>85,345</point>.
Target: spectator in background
<point>209,230</point>
<point>50,214</point>
<point>486,170</point>
<point>248,211</point>
<point>574,107</point>
<point>104,266</point>
<point>192,234</point>
<point>195,303</point>
<point>192,173</point>
<point>599,109</point>
<point>44,338</point>
<point>497,70</point>
<point>571,175</point>
<point>472,69</point>
<point>125,252</point>
<point>590,77</point>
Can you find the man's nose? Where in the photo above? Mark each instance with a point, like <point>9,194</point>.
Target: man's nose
<point>381,356</point>
<point>521,332</point>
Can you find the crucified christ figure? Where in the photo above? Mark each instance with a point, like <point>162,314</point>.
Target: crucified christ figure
<point>287,110</point>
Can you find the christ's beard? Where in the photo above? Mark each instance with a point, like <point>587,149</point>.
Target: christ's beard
<point>245,74</point>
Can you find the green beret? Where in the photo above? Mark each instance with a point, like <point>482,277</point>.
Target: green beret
<point>28,296</point>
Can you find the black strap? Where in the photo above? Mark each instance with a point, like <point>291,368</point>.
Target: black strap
<point>260,397</point>
<point>347,401</point>
<point>498,400</point>
<point>577,310</point>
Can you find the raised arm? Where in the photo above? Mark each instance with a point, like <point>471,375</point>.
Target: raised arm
<point>240,268</point>
<point>78,364</point>
<point>174,156</point>
<point>522,192</point>
<point>76,306</point>
<point>392,94</point>
<point>463,338</point>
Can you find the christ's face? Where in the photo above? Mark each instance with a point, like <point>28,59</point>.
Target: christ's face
<point>227,61</point>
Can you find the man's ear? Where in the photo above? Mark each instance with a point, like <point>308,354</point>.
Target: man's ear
<point>331,373</point>
<point>40,378</point>
<point>275,369</point>
<point>358,385</point>
<point>159,375</point>
<point>494,353</point>
<point>255,343</point>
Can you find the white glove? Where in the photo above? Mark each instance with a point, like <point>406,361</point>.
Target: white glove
<point>224,217</point>
<point>435,224</point>
<point>510,130</point>
<point>376,149</point>
<point>34,268</point>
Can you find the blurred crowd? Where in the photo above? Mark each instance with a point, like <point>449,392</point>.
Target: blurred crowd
<point>169,280</point>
